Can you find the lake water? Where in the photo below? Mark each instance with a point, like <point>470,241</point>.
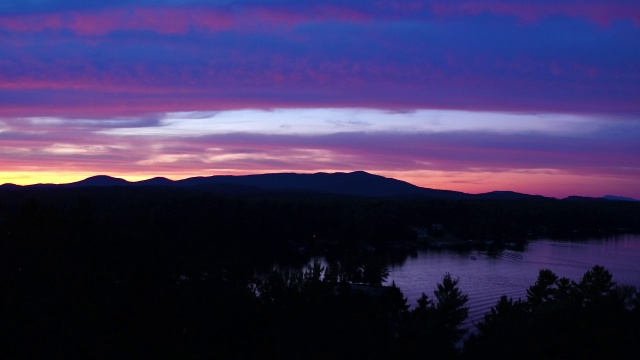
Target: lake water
<point>485,276</point>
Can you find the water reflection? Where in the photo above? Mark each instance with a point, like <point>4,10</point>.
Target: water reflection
<point>487,274</point>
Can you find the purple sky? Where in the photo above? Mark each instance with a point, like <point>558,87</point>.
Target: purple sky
<point>541,97</point>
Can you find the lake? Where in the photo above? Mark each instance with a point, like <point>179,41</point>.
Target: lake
<point>485,276</point>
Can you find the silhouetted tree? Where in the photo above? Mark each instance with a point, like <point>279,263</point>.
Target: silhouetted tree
<point>374,271</point>
<point>451,307</point>
<point>500,334</point>
<point>561,319</point>
<point>543,289</point>
<point>435,329</point>
<point>596,284</point>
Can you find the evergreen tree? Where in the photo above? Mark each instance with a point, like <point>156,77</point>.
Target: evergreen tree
<point>451,308</point>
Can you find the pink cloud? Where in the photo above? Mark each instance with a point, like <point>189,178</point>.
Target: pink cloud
<point>182,20</point>
<point>473,161</point>
<point>161,20</point>
<point>175,20</point>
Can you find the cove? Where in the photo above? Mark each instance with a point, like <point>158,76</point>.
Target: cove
<point>486,275</point>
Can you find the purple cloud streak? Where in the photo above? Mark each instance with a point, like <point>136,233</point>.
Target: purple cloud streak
<point>97,65</point>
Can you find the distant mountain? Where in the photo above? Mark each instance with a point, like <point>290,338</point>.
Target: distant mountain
<point>99,180</point>
<point>156,181</point>
<point>581,198</point>
<point>358,183</point>
<point>9,186</point>
<point>618,198</point>
<point>504,195</point>
<point>604,198</point>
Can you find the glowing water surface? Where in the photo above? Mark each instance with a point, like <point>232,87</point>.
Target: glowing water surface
<point>485,276</point>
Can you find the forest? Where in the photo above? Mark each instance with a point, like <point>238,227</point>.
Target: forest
<point>177,273</point>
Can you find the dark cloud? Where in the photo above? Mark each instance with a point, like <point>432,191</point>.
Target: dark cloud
<point>95,66</point>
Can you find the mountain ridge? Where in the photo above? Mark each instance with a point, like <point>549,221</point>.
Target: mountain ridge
<point>618,198</point>
<point>356,183</point>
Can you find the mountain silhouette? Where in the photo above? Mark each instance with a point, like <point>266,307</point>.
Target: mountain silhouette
<point>156,181</point>
<point>357,183</point>
<point>99,180</point>
<point>618,198</point>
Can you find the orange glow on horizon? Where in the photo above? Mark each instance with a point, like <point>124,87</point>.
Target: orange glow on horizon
<point>546,183</point>
<point>50,177</point>
<point>550,183</point>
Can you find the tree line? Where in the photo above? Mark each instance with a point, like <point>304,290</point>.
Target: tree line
<point>122,273</point>
<point>316,313</point>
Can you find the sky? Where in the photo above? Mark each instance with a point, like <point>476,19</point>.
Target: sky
<point>540,97</point>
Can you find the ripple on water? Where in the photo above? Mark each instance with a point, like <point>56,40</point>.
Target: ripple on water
<point>484,276</point>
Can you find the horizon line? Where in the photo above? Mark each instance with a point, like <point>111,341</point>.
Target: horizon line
<point>139,179</point>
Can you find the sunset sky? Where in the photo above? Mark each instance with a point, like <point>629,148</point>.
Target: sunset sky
<point>540,97</point>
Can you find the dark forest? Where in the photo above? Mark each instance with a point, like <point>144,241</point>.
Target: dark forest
<point>122,272</point>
